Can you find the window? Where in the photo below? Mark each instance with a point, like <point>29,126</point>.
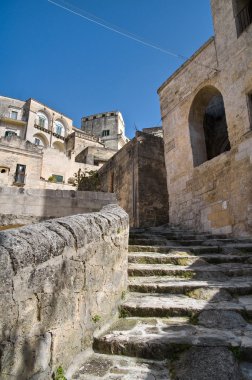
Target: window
<point>20,174</point>
<point>14,115</point>
<point>105,132</point>
<point>59,128</point>
<point>10,133</point>
<point>57,178</point>
<point>42,120</point>
<point>37,141</point>
<point>243,14</point>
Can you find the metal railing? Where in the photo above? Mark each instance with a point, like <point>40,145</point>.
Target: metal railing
<point>244,18</point>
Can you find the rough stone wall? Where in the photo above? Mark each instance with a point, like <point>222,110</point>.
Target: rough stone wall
<point>137,176</point>
<point>15,151</point>
<point>214,196</point>
<point>59,280</point>
<point>18,203</point>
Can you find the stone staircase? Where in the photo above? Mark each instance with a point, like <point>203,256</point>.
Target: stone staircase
<point>188,312</point>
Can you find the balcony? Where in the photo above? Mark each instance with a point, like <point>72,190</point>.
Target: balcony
<point>9,120</point>
<point>244,18</point>
<point>41,128</point>
<point>58,136</point>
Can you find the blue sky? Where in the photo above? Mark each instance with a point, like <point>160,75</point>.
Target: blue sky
<point>80,68</point>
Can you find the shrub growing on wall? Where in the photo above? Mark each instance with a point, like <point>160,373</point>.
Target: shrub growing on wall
<point>87,180</point>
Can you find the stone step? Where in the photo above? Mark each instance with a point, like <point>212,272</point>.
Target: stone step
<point>195,270</point>
<point>186,242</point>
<point>101,366</point>
<point>174,249</point>
<point>228,248</point>
<point>186,259</point>
<point>161,338</point>
<point>170,305</point>
<point>194,288</point>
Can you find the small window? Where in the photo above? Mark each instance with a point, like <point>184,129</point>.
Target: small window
<point>105,133</point>
<point>37,141</point>
<point>20,174</point>
<point>59,128</point>
<point>243,15</point>
<point>14,115</point>
<point>57,178</point>
<point>10,133</point>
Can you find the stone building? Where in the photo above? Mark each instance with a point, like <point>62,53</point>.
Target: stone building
<point>136,174</point>
<point>30,128</point>
<point>108,126</point>
<point>206,108</point>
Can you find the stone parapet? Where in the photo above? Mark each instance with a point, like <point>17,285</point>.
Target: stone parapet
<point>60,280</point>
<point>49,203</point>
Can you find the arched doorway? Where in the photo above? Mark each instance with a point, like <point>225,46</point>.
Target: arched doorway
<point>207,125</point>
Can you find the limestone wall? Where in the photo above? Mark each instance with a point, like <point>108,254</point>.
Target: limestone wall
<point>19,202</point>
<point>214,196</point>
<point>59,280</point>
<point>137,176</point>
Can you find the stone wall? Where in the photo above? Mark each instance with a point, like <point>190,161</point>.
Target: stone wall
<point>211,195</point>
<point>136,174</point>
<point>59,280</point>
<point>18,203</point>
<point>15,151</point>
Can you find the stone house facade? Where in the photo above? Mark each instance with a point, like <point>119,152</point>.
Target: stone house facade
<point>136,174</point>
<point>59,145</point>
<point>108,126</point>
<point>206,108</point>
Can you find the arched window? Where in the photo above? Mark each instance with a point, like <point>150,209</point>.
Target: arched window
<point>42,120</point>
<point>41,140</point>
<point>208,126</point>
<point>242,14</point>
<point>59,128</point>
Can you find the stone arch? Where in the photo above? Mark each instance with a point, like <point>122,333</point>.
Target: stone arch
<point>207,125</point>
<point>43,139</point>
<point>43,119</point>
<point>60,124</point>
<point>59,146</point>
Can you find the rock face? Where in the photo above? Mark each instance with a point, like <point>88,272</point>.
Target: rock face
<point>59,281</point>
<point>188,311</point>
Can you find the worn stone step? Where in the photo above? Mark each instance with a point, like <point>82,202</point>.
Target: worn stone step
<point>200,270</point>
<point>161,338</point>
<point>186,259</point>
<point>161,241</point>
<point>174,249</point>
<point>101,366</point>
<point>180,285</point>
<point>168,305</point>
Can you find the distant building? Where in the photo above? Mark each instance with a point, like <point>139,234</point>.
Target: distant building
<point>38,143</point>
<point>108,126</point>
<point>136,174</point>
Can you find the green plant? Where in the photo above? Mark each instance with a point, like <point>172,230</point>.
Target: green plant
<point>59,375</point>
<point>87,180</point>
<point>96,318</point>
<point>123,295</point>
<point>194,319</point>
<point>52,179</point>
<point>123,313</point>
<point>236,352</point>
